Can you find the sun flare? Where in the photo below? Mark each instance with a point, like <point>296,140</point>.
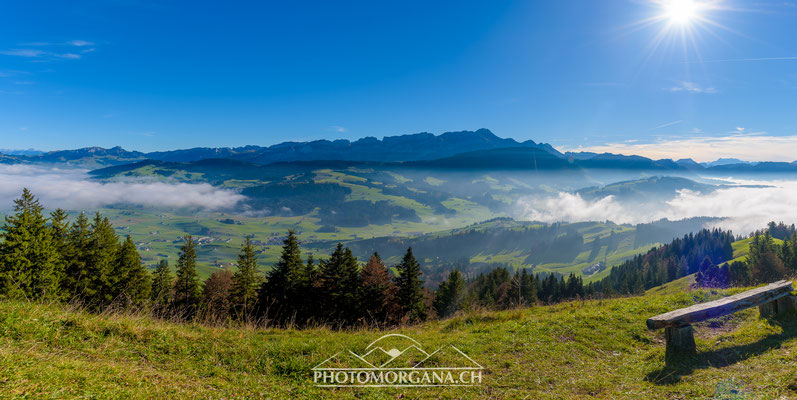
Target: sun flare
<point>681,12</point>
<point>681,25</point>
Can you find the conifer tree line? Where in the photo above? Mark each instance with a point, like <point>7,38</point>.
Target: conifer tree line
<point>45,258</point>
<point>708,255</point>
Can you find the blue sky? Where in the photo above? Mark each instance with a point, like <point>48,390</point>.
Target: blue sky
<point>150,75</point>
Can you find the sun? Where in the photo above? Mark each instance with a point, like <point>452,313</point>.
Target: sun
<point>681,23</point>
<point>681,12</point>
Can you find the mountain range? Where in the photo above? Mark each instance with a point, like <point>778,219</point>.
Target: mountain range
<point>480,149</point>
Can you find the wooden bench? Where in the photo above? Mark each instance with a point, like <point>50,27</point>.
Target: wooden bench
<point>770,299</point>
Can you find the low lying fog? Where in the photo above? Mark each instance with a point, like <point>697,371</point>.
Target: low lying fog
<point>73,189</point>
<point>745,208</point>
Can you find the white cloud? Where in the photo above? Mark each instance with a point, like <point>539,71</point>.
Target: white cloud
<point>53,53</point>
<point>80,43</point>
<point>691,87</point>
<point>72,189</point>
<point>24,52</point>
<point>569,207</point>
<point>76,43</point>
<point>743,208</point>
<point>756,146</point>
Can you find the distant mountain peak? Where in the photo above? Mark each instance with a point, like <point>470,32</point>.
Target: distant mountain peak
<point>21,152</point>
<point>725,161</point>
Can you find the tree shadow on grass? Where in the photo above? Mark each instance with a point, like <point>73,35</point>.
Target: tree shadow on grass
<point>678,366</point>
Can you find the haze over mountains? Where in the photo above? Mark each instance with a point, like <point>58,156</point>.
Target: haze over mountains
<point>480,149</point>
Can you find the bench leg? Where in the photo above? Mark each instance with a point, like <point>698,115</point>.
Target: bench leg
<point>680,341</point>
<point>788,303</point>
<point>768,309</point>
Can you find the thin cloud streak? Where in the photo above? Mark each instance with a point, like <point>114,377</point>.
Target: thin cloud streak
<point>691,87</point>
<point>667,124</point>
<point>742,60</point>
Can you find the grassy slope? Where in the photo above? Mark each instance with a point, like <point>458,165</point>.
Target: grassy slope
<point>742,247</point>
<point>594,349</point>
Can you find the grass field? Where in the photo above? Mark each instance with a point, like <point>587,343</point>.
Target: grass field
<point>575,350</point>
<point>741,248</point>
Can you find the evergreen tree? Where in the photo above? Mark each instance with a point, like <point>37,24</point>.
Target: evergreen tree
<point>309,291</point>
<point>103,247</point>
<point>378,291</point>
<point>739,273</point>
<point>77,278</point>
<point>277,292</point>
<point>216,296</point>
<point>450,294</point>
<point>410,288</point>
<point>59,229</point>
<point>575,286</point>
<point>528,287</point>
<point>186,286</point>
<point>132,285</point>
<point>28,257</point>
<point>514,292</point>
<point>768,268</point>
<point>162,286</point>
<point>788,253</point>
<point>339,277</point>
<point>245,282</point>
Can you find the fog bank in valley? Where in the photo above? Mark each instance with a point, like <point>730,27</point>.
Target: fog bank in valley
<point>744,208</point>
<point>73,189</point>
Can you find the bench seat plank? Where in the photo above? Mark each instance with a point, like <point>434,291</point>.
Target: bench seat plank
<point>723,306</point>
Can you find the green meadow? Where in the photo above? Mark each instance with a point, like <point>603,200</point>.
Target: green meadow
<point>574,350</point>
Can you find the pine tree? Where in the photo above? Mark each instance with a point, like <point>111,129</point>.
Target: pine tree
<point>162,285</point>
<point>378,290</point>
<point>340,286</point>
<point>245,282</point>
<point>450,294</point>
<point>410,288</point>
<point>28,257</point>
<point>132,284</point>
<point>276,293</point>
<point>103,249</point>
<point>514,292</point>
<point>528,287</point>
<point>216,296</point>
<point>768,268</point>
<point>59,230</point>
<point>186,287</point>
<point>739,273</point>
<point>77,280</point>
<point>309,292</point>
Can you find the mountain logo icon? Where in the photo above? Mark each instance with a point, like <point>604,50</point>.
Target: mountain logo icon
<point>398,360</point>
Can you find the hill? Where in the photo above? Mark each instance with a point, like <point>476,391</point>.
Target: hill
<point>647,189</point>
<point>741,248</point>
<point>591,349</point>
